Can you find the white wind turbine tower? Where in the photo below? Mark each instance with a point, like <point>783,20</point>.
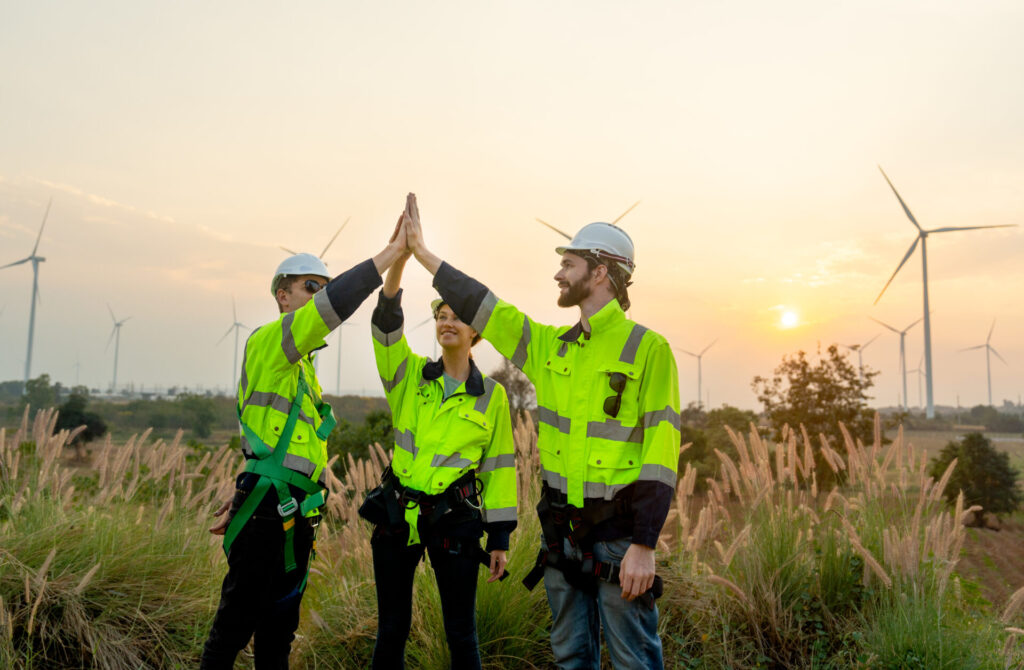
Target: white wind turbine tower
<point>989,349</point>
<point>36,260</point>
<point>236,326</point>
<point>920,376</point>
<point>115,335</point>
<point>337,388</point>
<point>859,348</point>
<point>700,402</point>
<point>903,352</point>
<point>922,237</point>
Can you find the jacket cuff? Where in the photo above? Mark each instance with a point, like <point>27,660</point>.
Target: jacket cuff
<point>348,290</point>
<point>498,535</point>
<point>386,322</point>
<point>651,502</point>
<point>460,292</point>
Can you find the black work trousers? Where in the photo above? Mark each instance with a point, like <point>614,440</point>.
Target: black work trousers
<point>258,598</point>
<point>394,567</point>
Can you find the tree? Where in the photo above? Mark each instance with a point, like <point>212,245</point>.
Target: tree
<point>350,438</point>
<point>73,414</point>
<point>200,411</point>
<point>707,432</point>
<point>39,394</point>
<point>819,396</point>
<point>982,473</point>
<point>520,391</point>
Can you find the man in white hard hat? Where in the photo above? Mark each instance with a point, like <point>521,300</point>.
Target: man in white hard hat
<point>608,436</point>
<point>284,424</point>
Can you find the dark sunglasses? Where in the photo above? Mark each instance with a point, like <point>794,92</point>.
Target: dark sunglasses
<point>616,380</point>
<point>312,286</point>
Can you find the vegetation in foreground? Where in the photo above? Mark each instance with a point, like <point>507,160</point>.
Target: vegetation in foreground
<point>111,567</point>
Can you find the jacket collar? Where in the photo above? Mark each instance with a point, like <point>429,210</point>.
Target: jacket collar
<point>474,385</point>
<point>605,318</point>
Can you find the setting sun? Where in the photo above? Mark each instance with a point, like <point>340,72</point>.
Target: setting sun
<point>789,319</point>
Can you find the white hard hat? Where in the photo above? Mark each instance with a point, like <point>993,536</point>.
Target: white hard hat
<point>299,264</point>
<point>604,240</point>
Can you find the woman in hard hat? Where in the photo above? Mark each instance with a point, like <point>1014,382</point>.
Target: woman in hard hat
<point>452,477</point>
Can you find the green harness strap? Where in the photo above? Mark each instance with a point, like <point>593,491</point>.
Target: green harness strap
<point>268,464</point>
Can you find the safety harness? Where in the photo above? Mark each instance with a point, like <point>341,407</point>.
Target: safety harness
<point>269,465</point>
<point>560,522</point>
<point>397,498</point>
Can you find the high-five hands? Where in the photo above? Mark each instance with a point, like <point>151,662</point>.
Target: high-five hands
<point>414,235</point>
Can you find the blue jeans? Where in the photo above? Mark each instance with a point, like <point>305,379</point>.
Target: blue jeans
<point>630,629</point>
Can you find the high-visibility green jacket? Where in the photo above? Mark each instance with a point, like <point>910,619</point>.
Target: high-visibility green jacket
<point>437,440</point>
<point>275,352</point>
<point>587,454</point>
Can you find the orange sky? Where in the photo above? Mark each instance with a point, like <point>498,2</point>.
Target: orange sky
<point>182,144</point>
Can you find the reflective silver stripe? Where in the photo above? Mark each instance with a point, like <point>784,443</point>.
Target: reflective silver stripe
<point>406,440</point>
<point>274,401</point>
<point>652,472</point>
<point>291,352</point>
<point>326,309</point>
<point>613,430</point>
<point>245,357</point>
<point>483,313</point>
<point>495,462</point>
<point>292,462</point>
<point>551,417</point>
<point>519,356</point>
<point>632,344</point>
<point>599,490</point>
<point>500,514</point>
<point>397,379</point>
<point>387,339</point>
<point>659,415</point>
<point>485,399</point>
<point>454,461</point>
<point>554,480</point>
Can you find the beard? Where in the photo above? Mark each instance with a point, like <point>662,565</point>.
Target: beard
<point>576,293</point>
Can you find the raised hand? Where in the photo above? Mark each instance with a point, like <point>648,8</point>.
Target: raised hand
<point>414,236</point>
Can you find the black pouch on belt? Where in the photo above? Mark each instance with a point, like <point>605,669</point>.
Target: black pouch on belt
<point>375,508</point>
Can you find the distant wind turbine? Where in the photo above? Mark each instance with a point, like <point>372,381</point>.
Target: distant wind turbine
<point>920,376</point>
<point>115,335</point>
<point>903,352</point>
<point>859,348</point>
<point>36,260</point>
<point>423,323</point>
<point>236,326</point>
<point>699,371</point>
<point>922,237</point>
<point>328,246</point>
<point>989,349</point>
<point>569,237</point>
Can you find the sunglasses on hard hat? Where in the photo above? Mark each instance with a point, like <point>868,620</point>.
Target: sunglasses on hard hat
<point>612,403</point>
<point>312,286</point>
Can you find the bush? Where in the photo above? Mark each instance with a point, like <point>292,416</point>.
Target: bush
<point>982,473</point>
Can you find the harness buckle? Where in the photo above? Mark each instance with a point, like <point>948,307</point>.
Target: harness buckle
<point>410,496</point>
<point>288,507</point>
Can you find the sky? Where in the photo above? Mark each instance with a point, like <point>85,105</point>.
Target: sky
<point>183,143</point>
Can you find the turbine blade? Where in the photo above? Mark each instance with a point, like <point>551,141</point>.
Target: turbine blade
<point>885,325</point>
<point>110,339</point>
<point>993,350</point>
<point>709,346</point>
<point>621,216</point>
<point>903,204</point>
<point>914,324</point>
<point>335,237</point>
<point>112,317</point>
<point>422,323</point>
<point>11,265</point>
<point>902,262</point>
<point>287,250</point>
<point>40,236</point>
<point>949,230</point>
<point>234,312</point>
<point>980,346</point>
<point>225,334</point>
<point>685,351</point>
<point>989,338</point>
<point>865,345</point>
<point>560,232</point>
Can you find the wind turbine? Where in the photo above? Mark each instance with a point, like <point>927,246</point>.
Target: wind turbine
<point>699,372</point>
<point>920,374</point>
<point>988,359</point>
<point>859,348</point>
<point>903,350</point>
<point>423,323</point>
<point>36,260</point>
<point>115,335</point>
<point>569,237</point>
<point>321,256</point>
<point>236,326</point>
<point>337,390</point>
<point>922,237</point>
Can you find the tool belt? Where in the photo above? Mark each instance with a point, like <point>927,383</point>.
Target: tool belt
<point>560,522</point>
<point>269,465</point>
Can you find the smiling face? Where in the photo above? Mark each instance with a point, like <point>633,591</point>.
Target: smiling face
<point>452,333</point>
<point>573,279</point>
